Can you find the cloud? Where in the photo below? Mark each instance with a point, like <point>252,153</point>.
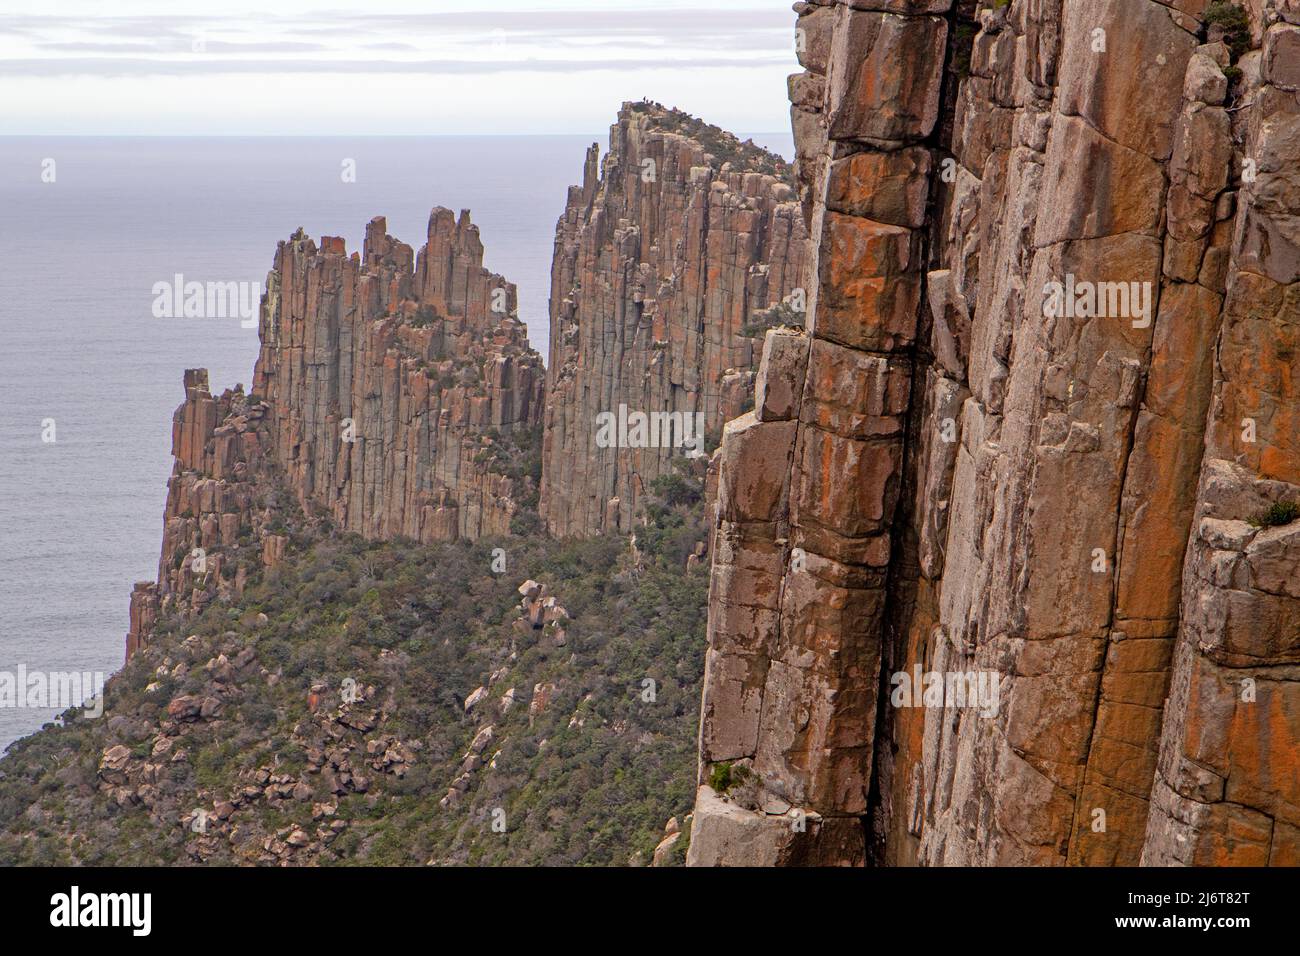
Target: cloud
<point>118,67</point>
<point>183,45</point>
<point>389,67</point>
<point>450,42</point>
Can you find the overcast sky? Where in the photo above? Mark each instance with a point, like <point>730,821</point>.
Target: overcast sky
<point>203,67</point>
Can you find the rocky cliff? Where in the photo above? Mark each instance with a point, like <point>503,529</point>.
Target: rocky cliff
<point>394,395</point>
<point>219,522</point>
<point>670,258</point>
<point>297,695</point>
<point>391,379</point>
<point>1005,555</point>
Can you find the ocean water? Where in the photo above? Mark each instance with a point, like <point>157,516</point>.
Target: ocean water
<point>81,516</point>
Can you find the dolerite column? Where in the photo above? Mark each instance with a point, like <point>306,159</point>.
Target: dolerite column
<point>1227,784</point>
<point>386,373</point>
<point>810,479</point>
<point>671,247</point>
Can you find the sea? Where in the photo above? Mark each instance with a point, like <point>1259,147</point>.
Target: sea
<point>90,376</point>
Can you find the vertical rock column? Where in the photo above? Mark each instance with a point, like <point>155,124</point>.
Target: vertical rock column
<point>392,378</point>
<point>393,393</point>
<point>810,480</point>
<point>1160,476</point>
<point>220,471</point>
<point>1061,448</point>
<point>1051,552</point>
<point>664,256</point>
<point>1227,786</point>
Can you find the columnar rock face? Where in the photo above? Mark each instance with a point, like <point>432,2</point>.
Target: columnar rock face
<point>394,395</point>
<point>1051,372</point>
<point>667,258</point>
<point>1227,785</point>
<point>391,377</point>
<point>219,514</point>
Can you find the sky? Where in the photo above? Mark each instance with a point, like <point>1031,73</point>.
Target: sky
<point>388,67</point>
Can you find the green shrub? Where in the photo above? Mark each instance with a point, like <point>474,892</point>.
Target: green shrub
<point>963,43</point>
<point>1234,23</point>
<point>677,489</point>
<point>783,314</point>
<point>425,316</point>
<point>724,776</point>
<point>1278,513</point>
<point>425,626</point>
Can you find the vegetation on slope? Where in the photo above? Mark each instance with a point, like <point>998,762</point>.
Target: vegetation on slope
<point>321,717</point>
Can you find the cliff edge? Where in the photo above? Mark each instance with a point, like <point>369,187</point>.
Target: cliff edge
<point>395,395</point>
<point>1004,556</point>
<point>674,254</point>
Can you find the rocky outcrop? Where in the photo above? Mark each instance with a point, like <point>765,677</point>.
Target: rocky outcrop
<point>1050,372</point>
<point>219,522</point>
<point>541,618</point>
<point>395,395</point>
<point>669,259</point>
<point>395,382</point>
